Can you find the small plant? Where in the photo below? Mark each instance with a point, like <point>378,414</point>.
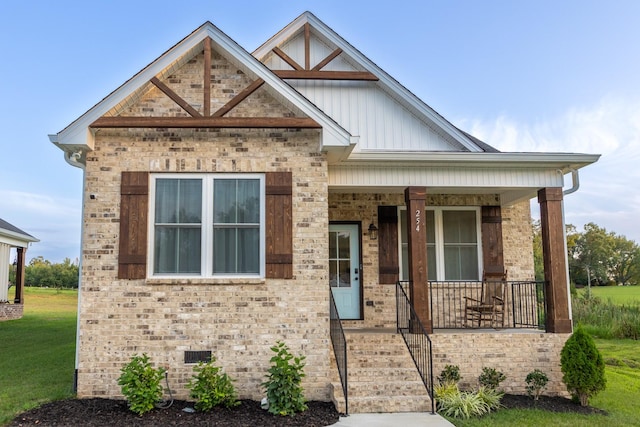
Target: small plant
<point>284,393</point>
<point>460,404</point>
<point>141,384</point>
<point>491,378</point>
<point>536,382</point>
<point>211,388</point>
<point>450,375</point>
<point>582,367</point>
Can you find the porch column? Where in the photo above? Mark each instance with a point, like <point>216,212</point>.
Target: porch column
<point>415,198</point>
<point>19,297</point>
<point>555,260</point>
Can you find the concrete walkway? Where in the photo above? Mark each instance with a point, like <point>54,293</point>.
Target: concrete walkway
<point>403,419</point>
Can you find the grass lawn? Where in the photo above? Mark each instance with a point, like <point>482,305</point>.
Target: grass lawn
<point>37,364</point>
<point>617,294</point>
<point>37,352</point>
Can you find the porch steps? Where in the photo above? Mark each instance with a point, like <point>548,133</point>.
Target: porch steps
<point>382,375</point>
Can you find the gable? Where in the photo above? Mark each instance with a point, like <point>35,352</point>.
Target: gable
<point>383,114</point>
<point>118,109</point>
<point>228,82</point>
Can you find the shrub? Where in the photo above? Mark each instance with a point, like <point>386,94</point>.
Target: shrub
<point>491,378</point>
<point>141,384</point>
<point>284,393</point>
<point>582,367</point>
<point>459,404</point>
<point>450,375</point>
<point>536,382</point>
<point>211,388</point>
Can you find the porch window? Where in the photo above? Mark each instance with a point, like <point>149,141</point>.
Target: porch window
<point>207,225</point>
<point>453,243</point>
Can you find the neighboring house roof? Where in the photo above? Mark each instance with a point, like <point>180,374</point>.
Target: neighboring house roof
<point>12,235</point>
<point>77,137</point>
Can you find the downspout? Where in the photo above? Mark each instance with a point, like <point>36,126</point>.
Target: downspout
<point>575,179</point>
<point>74,159</point>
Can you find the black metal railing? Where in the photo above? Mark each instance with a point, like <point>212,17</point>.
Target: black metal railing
<point>523,304</point>
<point>339,342</point>
<point>529,308</point>
<point>416,338</point>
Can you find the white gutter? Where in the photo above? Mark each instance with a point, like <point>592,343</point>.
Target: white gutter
<point>575,178</point>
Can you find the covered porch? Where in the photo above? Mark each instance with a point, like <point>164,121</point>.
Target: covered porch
<point>442,239</point>
<point>11,237</point>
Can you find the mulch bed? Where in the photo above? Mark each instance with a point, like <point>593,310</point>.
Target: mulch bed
<point>106,412</point>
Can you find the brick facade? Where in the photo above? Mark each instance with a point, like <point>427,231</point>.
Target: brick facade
<point>10,311</point>
<point>238,320</point>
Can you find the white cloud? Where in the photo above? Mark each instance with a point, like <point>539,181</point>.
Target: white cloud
<point>608,194</point>
<point>54,220</point>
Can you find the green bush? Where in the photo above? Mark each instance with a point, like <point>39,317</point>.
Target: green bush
<point>536,382</point>
<point>491,378</point>
<point>450,375</point>
<point>582,367</point>
<point>460,404</point>
<point>141,384</point>
<point>284,393</point>
<point>466,404</point>
<point>210,387</point>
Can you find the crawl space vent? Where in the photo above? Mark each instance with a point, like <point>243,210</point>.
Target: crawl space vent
<point>197,356</point>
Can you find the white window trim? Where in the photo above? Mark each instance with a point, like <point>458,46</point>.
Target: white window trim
<point>206,261</point>
<point>439,236</point>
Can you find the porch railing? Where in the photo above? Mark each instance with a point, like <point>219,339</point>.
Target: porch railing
<point>416,338</point>
<point>339,342</point>
<point>524,305</point>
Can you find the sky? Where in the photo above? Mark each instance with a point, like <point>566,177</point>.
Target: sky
<point>527,75</point>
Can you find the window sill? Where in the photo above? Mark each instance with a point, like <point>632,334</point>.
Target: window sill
<point>205,281</point>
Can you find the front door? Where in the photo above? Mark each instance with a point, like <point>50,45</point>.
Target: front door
<point>344,269</point>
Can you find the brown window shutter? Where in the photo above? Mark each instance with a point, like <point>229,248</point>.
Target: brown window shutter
<point>134,210</point>
<point>388,263</point>
<point>492,252</point>
<point>279,225</point>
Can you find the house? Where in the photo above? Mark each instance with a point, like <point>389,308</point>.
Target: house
<point>12,237</point>
<point>228,196</point>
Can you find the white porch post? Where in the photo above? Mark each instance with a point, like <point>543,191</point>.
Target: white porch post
<point>5,253</point>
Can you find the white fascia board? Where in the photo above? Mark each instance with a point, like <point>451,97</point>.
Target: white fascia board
<point>78,132</point>
<point>16,239</point>
<point>402,93</point>
<point>564,161</point>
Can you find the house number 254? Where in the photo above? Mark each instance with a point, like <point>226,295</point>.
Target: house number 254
<point>418,219</point>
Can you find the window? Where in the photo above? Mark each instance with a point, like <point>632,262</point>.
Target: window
<point>453,243</point>
<point>207,225</point>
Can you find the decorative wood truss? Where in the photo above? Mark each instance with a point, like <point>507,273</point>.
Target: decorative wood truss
<point>315,73</point>
<point>207,119</point>
<point>217,119</point>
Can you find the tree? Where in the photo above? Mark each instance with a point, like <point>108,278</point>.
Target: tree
<point>582,366</point>
<point>42,273</point>
<point>602,258</point>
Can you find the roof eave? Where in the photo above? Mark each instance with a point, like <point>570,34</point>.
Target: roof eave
<point>78,134</point>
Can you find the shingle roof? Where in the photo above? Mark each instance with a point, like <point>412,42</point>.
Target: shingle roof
<point>7,228</point>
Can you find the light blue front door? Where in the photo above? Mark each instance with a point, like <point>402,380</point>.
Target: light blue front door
<point>344,269</point>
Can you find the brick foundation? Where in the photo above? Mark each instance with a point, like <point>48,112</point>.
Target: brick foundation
<point>11,311</point>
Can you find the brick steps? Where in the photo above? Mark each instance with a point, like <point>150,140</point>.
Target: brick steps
<point>382,376</point>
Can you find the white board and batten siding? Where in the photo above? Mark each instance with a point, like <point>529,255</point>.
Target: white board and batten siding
<point>362,108</point>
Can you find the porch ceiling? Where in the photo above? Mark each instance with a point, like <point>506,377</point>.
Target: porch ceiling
<point>512,176</point>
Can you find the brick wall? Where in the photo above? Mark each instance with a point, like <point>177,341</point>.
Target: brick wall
<point>514,353</point>
<point>10,311</point>
<point>238,320</point>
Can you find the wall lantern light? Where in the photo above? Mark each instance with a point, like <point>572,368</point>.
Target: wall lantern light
<point>373,232</point>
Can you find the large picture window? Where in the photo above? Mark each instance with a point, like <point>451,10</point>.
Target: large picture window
<point>207,225</point>
<point>453,243</point>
